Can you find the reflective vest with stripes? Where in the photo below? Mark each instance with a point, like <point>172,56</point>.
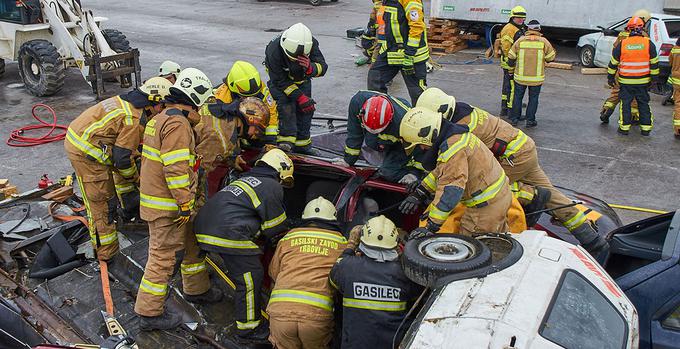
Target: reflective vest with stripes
<point>635,58</point>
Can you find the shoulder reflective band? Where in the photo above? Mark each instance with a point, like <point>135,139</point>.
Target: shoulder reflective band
<point>373,305</point>
<point>531,44</point>
<point>101,123</point>
<point>315,234</point>
<point>127,110</point>
<point>158,203</point>
<point>225,243</point>
<point>87,148</point>
<point>474,119</point>
<point>153,288</point>
<point>273,222</point>
<point>251,193</point>
<point>454,148</point>
<point>193,269</point>
<point>309,298</point>
<point>515,145</point>
<point>488,193</point>
<point>175,156</point>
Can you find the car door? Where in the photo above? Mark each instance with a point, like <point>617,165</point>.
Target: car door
<point>603,49</point>
<point>666,330</point>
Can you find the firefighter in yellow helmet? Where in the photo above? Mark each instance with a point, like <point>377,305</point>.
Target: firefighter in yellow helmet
<point>169,70</point>
<point>243,80</point>
<point>102,146</point>
<point>301,304</point>
<point>167,192</point>
<point>509,34</point>
<point>230,222</point>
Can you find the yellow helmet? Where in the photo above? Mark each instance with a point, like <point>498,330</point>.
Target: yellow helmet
<point>156,88</point>
<point>169,67</point>
<point>320,208</point>
<point>279,161</point>
<point>518,11</point>
<point>379,232</point>
<point>419,126</point>
<point>643,14</point>
<point>243,79</point>
<point>438,101</point>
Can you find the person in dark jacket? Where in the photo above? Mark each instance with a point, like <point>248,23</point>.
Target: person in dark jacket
<point>233,219</point>
<point>376,294</point>
<point>292,60</point>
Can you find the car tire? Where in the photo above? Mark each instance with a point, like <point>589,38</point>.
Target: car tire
<point>426,260</point>
<point>41,68</point>
<point>587,56</point>
<point>2,67</point>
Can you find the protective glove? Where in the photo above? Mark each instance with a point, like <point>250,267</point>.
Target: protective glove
<point>184,214</point>
<point>411,187</point>
<point>407,66</point>
<point>306,104</point>
<point>410,204</point>
<point>611,80</point>
<point>340,162</point>
<point>408,180</point>
<point>240,163</point>
<point>129,203</point>
<point>306,63</point>
<point>418,233</point>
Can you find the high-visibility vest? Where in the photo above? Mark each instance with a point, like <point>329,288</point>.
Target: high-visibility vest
<point>634,57</point>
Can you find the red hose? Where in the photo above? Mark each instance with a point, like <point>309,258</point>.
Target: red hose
<point>17,138</point>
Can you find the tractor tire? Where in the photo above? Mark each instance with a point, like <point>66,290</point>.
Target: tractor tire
<point>41,68</point>
<point>2,67</point>
<point>428,259</point>
<point>117,40</point>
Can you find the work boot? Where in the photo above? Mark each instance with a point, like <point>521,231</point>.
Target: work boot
<point>514,122</point>
<point>213,295</point>
<point>622,132</point>
<point>307,151</point>
<point>645,133</point>
<point>286,147</point>
<point>258,335</point>
<point>531,123</point>
<point>605,114</point>
<point>165,321</point>
<point>592,242</point>
<point>541,197</point>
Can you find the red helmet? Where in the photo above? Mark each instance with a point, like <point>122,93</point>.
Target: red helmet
<point>376,114</point>
<point>635,23</point>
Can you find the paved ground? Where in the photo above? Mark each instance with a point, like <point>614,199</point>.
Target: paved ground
<point>575,150</point>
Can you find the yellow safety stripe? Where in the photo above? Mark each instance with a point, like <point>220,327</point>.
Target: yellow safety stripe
<point>250,296</point>
<point>158,203</point>
<point>454,148</point>
<point>430,182</point>
<point>415,164</point>
<point>101,123</point>
<point>226,243</point>
<point>515,145</point>
<point>675,50</point>
<point>474,119</point>
<point>538,78</point>
<point>614,61</point>
<point>576,221</point>
<point>520,194</point>
<point>388,137</point>
<point>352,151</point>
<point>319,69</point>
<point>487,194</point>
<point>176,156</point>
<point>153,288</point>
<point>654,60</point>
<point>531,44</point>
<point>315,234</point>
<point>178,181</point>
<point>286,139</point>
<point>309,298</point>
<point>676,122</point>
<point>303,142</point>
<point>193,269</point>
<point>125,188</point>
<point>128,172</point>
<point>271,130</point>
<point>87,148</point>
<point>128,111</point>
<point>330,281</point>
<point>274,222</point>
<point>550,55</point>
<point>290,89</point>
<point>439,214</point>
<point>151,153</point>
<point>248,325</point>
<point>104,239</point>
<point>654,71</point>
<point>674,81</point>
<point>373,305</point>
<point>634,81</point>
<point>394,24</point>
<point>220,135</point>
<point>88,211</point>
<point>249,191</point>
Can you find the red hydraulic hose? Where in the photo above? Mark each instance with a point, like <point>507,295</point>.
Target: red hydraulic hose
<point>17,138</point>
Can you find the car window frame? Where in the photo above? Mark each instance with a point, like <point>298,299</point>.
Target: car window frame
<point>622,22</point>
<point>556,292</point>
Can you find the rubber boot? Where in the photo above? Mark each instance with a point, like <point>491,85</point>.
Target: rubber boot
<point>645,133</point>
<point>165,321</point>
<point>504,111</point>
<point>605,114</point>
<point>592,242</point>
<point>211,296</point>
<point>286,147</point>
<point>541,197</point>
<point>258,335</point>
<point>308,150</point>
<point>622,132</point>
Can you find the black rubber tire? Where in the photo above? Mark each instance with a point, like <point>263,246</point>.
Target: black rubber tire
<point>2,67</point>
<point>117,40</point>
<point>51,72</point>
<point>425,271</point>
<point>587,56</point>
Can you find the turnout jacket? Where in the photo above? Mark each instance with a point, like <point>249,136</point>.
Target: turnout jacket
<point>466,172</point>
<point>674,60</point>
<point>299,269</point>
<point>509,34</point>
<point>500,137</point>
<point>375,298</point>
<point>285,74</point>
<point>223,94</point>
<point>235,216</point>
<point>527,58</point>
<point>405,32</point>
<point>109,133</point>
<point>216,137</point>
<point>168,160</point>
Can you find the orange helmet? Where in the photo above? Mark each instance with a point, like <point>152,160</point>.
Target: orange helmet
<point>254,112</point>
<point>635,23</point>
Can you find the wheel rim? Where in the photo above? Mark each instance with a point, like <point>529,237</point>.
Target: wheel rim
<point>35,69</point>
<point>447,249</point>
<point>32,69</point>
<point>587,57</point>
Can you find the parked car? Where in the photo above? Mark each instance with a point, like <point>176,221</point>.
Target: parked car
<point>596,48</point>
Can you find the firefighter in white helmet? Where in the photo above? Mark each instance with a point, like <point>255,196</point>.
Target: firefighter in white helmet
<point>169,70</point>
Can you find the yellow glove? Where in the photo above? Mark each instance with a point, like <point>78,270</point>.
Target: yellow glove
<point>184,214</point>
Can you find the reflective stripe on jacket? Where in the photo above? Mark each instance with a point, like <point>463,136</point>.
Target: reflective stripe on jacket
<point>527,58</point>
<point>636,61</point>
<point>404,27</point>
<point>216,139</point>
<point>508,35</point>
<point>674,60</point>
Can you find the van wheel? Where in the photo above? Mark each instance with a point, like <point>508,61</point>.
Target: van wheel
<point>587,56</point>
<point>428,259</point>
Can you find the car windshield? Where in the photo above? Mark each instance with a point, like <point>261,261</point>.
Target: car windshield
<point>620,26</point>
<point>581,317</point>
<point>673,28</point>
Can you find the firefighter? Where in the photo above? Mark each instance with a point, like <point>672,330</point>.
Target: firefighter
<point>517,154</point>
<point>636,61</point>
<point>301,304</point>
<point>613,99</point>
<point>243,80</point>
<point>375,29</point>
<point>230,222</point>
<point>292,60</point>
<point>374,118</point>
<point>527,58</point>
<point>168,190</point>
<point>509,34</point>
<point>675,81</point>
<point>465,172</point>
<point>169,70</point>
<point>402,48</point>
<point>376,294</point>
<point>101,144</point>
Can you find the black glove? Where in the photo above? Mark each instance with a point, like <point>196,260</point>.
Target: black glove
<point>611,80</point>
<point>413,186</point>
<point>410,204</point>
<point>418,233</point>
<point>129,205</point>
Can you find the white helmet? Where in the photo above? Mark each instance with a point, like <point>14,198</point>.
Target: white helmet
<point>169,67</point>
<point>296,41</point>
<point>320,208</point>
<point>156,88</point>
<point>194,84</point>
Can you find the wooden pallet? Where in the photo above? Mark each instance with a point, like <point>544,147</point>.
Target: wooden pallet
<point>444,37</point>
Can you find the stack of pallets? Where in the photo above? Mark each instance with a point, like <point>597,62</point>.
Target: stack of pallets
<point>444,37</point>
